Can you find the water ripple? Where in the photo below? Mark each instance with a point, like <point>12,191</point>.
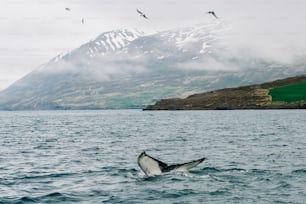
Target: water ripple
<point>91,156</point>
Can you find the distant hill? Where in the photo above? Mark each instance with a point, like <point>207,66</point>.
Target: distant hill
<point>289,93</point>
<point>130,69</point>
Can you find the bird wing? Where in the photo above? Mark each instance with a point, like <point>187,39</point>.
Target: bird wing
<point>214,15</point>
<point>139,12</point>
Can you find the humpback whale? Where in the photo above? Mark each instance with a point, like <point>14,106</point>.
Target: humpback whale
<point>151,166</point>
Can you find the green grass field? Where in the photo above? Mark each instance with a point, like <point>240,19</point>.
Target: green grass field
<point>290,93</point>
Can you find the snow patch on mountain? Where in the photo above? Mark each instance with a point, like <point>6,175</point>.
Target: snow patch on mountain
<point>106,42</point>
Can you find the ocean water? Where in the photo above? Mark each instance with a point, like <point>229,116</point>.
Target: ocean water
<point>254,156</point>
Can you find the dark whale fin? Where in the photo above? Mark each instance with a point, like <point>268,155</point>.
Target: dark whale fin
<point>152,166</point>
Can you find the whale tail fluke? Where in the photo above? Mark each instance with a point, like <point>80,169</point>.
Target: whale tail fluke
<point>151,166</point>
<point>185,166</point>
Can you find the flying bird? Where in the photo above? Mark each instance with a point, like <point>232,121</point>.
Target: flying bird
<point>212,13</point>
<point>67,9</point>
<point>142,14</point>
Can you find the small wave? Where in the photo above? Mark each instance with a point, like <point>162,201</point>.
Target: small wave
<point>113,199</point>
<point>52,175</point>
<point>43,146</point>
<point>145,178</point>
<point>176,179</point>
<point>220,192</point>
<point>51,140</point>
<point>126,172</point>
<point>56,196</point>
<point>24,199</point>
<point>51,197</point>
<point>282,185</point>
<point>177,194</point>
<point>299,171</point>
<point>208,170</point>
<point>259,171</point>
<point>90,149</point>
<point>123,170</point>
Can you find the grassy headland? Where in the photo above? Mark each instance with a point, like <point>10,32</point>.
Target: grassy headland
<point>289,93</point>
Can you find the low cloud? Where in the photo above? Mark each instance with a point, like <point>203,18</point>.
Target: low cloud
<point>207,64</point>
<point>100,67</point>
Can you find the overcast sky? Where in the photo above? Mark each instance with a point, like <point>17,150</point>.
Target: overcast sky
<point>33,32</point>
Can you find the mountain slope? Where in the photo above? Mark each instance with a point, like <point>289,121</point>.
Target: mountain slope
<point>128,69</point>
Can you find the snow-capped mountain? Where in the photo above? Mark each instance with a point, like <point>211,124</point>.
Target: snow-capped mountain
<point>196,40</point>
<point>107,42</point>
<point>126,68</point>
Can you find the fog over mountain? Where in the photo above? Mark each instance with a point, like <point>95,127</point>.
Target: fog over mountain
<point>32,32</point>
<point>130,69</point>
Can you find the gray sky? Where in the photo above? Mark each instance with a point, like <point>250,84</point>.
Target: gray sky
<point>33,32</point>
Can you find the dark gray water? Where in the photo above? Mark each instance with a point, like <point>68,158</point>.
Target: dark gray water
<point>90,156</point>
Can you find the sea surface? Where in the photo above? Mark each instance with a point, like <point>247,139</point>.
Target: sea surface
<point>253,156</point>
